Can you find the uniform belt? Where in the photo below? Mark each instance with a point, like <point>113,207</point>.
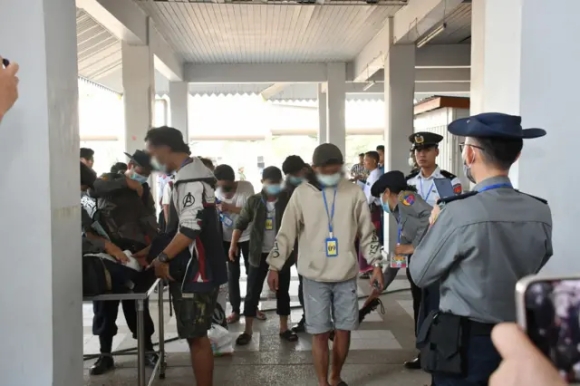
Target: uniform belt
<point>478,329</point>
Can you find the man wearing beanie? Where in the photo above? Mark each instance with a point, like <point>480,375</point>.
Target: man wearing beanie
<point>325,214</point>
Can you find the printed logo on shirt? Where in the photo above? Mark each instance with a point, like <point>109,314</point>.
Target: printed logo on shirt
<point>188,200</point>
<point>275,251</point>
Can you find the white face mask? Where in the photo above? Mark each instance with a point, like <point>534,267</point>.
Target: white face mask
<point>329,179</point>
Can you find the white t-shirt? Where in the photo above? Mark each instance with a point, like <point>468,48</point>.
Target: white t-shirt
<point>244,191</point>
<point>371,179</point>
<point>269,234</point>
<point>166,197</point>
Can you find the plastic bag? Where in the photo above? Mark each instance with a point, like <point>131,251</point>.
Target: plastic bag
<point>221,341</point>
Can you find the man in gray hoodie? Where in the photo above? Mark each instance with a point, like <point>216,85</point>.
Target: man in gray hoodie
<point>326,214</point>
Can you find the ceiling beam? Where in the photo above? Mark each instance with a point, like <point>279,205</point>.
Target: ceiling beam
<point>442,75</point>
<point>420,88</point>
<point>274,90</point>
<point>443,56</point>
<point>372,57</point>
<point>419,17</point>
<point>128,22</point>
<point>255,73</point>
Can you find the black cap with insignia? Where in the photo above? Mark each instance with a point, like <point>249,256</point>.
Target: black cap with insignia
<point>424,139</point>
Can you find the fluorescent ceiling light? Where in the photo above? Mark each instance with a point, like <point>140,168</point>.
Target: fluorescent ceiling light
<point>431,35</point>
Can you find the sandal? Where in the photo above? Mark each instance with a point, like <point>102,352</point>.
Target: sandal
<point>289,336</point>
<point>233,318</point>
<point>244,339</point>
<point>261,316</point>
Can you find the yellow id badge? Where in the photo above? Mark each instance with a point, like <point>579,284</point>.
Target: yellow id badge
<point>398,261</point>
<point>331,247</point>
<point>269,224</point>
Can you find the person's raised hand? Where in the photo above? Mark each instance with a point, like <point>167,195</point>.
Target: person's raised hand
<point>523,364</point>
<point>8,87</point>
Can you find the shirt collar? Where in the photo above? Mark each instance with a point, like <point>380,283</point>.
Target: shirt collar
<point>436,173</point>
<point>492,181</point>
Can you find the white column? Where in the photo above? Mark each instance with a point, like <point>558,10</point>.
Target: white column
<point>399,95</point>
<point>178,102</point>
<point>530,69</point>
<point>41,327</point>
<point>335,105</point>
<point>322,125</point>
<point>138,94</point>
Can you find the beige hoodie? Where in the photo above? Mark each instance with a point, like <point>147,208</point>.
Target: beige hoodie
<point>305,218</point>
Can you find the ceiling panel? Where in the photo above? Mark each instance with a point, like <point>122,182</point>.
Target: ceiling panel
<point>458,27</point>
<point>267,33</point>
<point>99,52</point>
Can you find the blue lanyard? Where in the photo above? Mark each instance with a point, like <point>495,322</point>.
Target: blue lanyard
<point>331,213</point>
<point>186,162</point>
<point>496,186</point>
<point>399,229</point>
<point>426,198</point>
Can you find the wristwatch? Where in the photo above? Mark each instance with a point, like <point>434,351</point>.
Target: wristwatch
<point>163,258</point>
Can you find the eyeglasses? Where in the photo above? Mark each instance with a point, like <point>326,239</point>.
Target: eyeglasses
<point>463,144</point>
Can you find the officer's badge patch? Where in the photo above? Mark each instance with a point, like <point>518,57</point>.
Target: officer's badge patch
<point>457,189</point>
<point>419,139</point>
<point>188,200</point>
<point>408,199</point>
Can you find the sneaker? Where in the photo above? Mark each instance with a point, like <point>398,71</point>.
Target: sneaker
<point>370,307</point>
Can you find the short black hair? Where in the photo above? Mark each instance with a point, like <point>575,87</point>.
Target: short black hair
<point>207,162</point>
<point>87,153</point>
<point>167,136</point>
<point>119,166</point>
<point>381,148</point>
<point>374,155</point>
<point>292,164</point>
<point>500,152</point>
<point>88,176</point>
<point>361,155</point>
<point>224,173</point>
<point>272,173</point>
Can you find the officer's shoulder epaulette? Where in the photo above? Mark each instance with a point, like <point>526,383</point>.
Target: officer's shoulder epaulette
<point>449,199</point>
<point>446,174</point>
<point>412,175</point>
<point>537,198</point>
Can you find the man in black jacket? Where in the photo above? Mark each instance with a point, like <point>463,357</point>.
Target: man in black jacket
<point>296,172</point>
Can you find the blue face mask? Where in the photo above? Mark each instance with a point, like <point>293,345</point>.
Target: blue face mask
<point>385,206</point>
<point>272,190</point>
<point>295,180</point>
<point>139,178</point>
<point>329,179</point>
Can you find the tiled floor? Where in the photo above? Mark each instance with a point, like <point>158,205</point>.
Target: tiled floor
<point>378,349</point>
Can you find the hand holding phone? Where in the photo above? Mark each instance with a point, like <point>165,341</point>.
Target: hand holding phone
<point>548,310</point>
<point>8,85</point>
<point>523,364</point>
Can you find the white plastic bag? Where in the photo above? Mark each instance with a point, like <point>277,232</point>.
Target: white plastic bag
<point>221,340</point>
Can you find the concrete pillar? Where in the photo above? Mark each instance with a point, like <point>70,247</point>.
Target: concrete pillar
<point>335,105</point>
<point>532,72</point>
<point>178,102</point>
<point>399,96</point>
<point>138,94</point>
<point>322,125</point>
<point>41,327</point>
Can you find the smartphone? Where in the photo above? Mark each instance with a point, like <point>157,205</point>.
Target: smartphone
<point>548,309</point>
<point>5,62</point>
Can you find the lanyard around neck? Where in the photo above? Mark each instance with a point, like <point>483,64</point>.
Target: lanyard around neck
<point>425,197</point>
<point>329,214</point>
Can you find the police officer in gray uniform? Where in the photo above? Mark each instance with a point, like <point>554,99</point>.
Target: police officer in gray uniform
<point>478,246</point>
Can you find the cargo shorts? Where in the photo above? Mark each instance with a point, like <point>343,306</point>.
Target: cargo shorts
<point>193,312</point>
